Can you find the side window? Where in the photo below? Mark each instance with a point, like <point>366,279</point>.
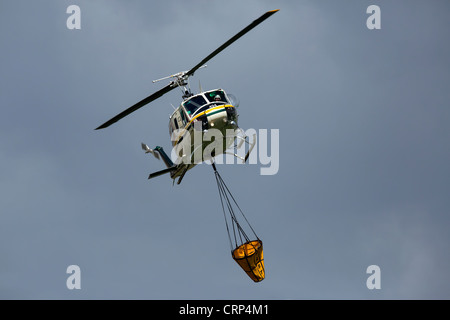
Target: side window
<point>183,116</point>
<point>170,128</point>
<point>175,122</point>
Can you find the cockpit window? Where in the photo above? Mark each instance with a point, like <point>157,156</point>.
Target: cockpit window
<point>193,104</point>
<point>216,95</point>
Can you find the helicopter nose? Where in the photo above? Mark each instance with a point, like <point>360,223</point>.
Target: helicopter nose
<point>222,118</point>
<point>218,119</point>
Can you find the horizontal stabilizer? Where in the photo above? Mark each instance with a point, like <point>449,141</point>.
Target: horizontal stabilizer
<point>159,173</point>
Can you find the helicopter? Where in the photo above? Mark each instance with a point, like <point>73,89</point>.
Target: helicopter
<point>199,118</point>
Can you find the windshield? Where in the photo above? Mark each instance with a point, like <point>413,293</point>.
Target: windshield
<point>193,104</point>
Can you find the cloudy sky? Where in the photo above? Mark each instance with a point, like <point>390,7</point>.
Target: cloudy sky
<point>363,118</point>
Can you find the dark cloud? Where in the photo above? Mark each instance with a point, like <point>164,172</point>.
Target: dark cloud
<point>363,174</point>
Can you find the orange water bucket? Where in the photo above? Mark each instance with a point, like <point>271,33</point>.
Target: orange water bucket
<point>251,259</point>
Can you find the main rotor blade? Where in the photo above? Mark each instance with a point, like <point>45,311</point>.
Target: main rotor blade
<point>138,105</point>
<point>172,85</point>
<point>233,39</point>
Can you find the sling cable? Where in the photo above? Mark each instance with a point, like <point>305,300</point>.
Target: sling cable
<point>247,253</point>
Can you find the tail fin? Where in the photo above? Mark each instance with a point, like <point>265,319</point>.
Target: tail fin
<point>148,150</point>
<point>157,152</point>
